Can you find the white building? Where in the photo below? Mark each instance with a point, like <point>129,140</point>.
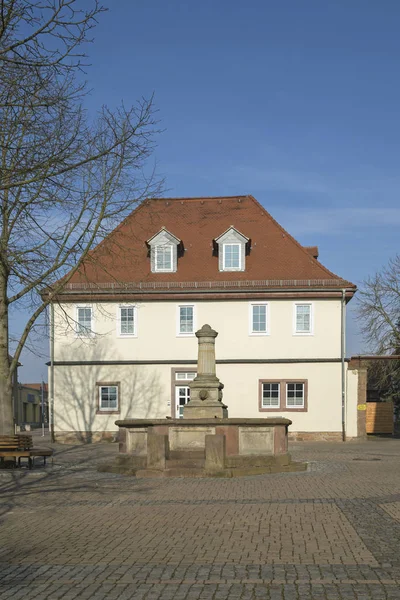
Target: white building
<point>125,323</point>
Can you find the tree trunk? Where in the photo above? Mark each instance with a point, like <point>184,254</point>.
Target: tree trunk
<point>6,400</point>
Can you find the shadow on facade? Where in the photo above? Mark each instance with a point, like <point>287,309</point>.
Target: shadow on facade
<point>76,397</point>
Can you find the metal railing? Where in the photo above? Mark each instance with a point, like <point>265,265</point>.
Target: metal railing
<point>172,285</point>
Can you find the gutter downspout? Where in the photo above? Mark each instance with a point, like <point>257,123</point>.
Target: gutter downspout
<point>51,411</point>
<point>342,356</point>
<point>42,404</point>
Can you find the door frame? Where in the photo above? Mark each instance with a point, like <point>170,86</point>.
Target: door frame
<point>176,382</point>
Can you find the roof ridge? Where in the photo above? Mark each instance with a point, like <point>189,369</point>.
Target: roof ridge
<point>198,198</point>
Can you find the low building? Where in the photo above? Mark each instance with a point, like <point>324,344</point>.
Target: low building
<point>30,397</point>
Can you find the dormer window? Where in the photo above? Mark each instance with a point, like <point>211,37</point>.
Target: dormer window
<point>163,257</point>
<point>231,256</point>
<point>232,246</point>
<point>164,252</point>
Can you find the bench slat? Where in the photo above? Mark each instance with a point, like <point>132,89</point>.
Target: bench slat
<point>13,453</point>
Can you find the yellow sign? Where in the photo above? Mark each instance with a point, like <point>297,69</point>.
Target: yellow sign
<point>361,407</point>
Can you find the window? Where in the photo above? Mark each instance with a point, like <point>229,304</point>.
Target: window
<point>303,319</point>
<point>259,319</point>
<point>271,394</point>
<point>283,395</point>
<point>108,397</point>
<point>186,324</point>
<point>84,321</point>
<point>231,258</point>
<point>295,395</point>
<point>185,376</point>
<point>127,321</point>
<point>163,258</point>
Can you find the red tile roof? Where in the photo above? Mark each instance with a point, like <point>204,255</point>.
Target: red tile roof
<point>275,255</point>
<point>36,386</point>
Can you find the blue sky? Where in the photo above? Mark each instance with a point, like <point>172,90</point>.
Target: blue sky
<point>297,103</point>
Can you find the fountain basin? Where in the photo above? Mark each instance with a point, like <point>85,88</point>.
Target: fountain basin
<point>243,436</point>
<point>203,447</point>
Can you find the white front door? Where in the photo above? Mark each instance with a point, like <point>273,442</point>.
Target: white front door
<point>182,397</point>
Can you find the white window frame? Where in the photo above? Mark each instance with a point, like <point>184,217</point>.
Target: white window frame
<point>186,376</point>
<point>77,332</point>
<point>295,406</point>
<point>119,321</point>
<point>271,406</point>
<point>171,249</point>
<point>180,333</point>
<point>311,305</point>
<point>251,310</point>
<point>224,267</point>
<point>108,409</point>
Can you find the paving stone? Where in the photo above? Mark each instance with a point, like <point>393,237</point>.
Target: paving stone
<point>332,532</point>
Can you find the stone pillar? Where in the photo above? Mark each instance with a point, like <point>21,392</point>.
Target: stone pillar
<point>157,451</point>
<point>206,352</point>
<point>280,439</point>
<point>362,403</point>
<point>356,364</point>
<point>206,389</point>
<point>215,452</point>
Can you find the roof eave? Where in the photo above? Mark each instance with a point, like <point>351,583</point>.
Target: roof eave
<point>348,289</point>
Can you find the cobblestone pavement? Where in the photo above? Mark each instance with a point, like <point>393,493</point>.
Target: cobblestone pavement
<point>332,532</point>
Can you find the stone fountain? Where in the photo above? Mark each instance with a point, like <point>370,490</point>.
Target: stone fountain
<point>205,443</point>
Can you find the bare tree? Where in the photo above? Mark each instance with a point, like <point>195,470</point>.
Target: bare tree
<point>65,179</point>
<point>384,379</point>
<point>379,309</point>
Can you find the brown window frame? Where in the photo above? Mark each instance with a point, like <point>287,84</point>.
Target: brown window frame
<point>100,384</point>
<point>282,396</point>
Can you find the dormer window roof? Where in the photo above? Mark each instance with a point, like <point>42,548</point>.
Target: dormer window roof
<point>164,251</point>
<point>232,250</point>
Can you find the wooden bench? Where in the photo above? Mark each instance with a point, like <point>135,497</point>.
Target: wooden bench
<point>21,446</point>
<point>12,447</point>
<point>27,444</point>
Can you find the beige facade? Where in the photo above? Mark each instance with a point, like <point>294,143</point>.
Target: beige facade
<point>143,364</point>
<point>148,391</point>
<point>157,336</point>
